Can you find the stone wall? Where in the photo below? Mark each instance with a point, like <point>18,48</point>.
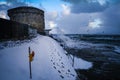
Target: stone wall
<point>13,30</point>
<point>28,15</point>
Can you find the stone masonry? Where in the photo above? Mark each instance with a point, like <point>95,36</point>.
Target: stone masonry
<point>28,15</point>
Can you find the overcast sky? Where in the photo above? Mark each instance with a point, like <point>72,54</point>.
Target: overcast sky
<point>74,16</point>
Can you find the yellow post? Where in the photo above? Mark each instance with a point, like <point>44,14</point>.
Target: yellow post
<point>30,63</point>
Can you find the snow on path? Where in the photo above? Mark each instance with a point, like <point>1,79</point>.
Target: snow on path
<point>50,62</point>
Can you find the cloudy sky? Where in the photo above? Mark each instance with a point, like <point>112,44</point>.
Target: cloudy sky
<point>74,16</point>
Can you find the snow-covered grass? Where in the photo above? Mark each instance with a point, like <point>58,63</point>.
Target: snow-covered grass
<point>79,63</point>
<point>82,64</point>
<point>50,62</point>
<point>117,49</point>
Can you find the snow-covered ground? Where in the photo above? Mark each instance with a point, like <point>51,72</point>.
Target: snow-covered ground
<point>50,61</point>
<point>79,63</point>
<point>117,49</point>
<point>82,64</point>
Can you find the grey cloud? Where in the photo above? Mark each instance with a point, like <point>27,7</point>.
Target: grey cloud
<point>51,16</point>
<point>113,2</point>
<point>16,3</point>
<point>78,23</point>
<point>11,4</point>
<point>74,23</point>
<point>111,18</point>
<point>87,8</point>
<point>11,1</point>
<point>90,1</point>
<point>75,1</point>
<point>90,6</point>
<point>4,7</point>
<point>108,13</point>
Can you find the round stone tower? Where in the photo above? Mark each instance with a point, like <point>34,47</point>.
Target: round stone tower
<point>28,15</point>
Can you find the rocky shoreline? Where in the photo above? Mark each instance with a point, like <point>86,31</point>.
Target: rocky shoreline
<point>104,55</point>
<point>106,63</point>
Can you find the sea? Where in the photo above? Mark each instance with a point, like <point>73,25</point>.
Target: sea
<point>103,51</point>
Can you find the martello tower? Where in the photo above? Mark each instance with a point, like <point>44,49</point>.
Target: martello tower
<point>28,15</point>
